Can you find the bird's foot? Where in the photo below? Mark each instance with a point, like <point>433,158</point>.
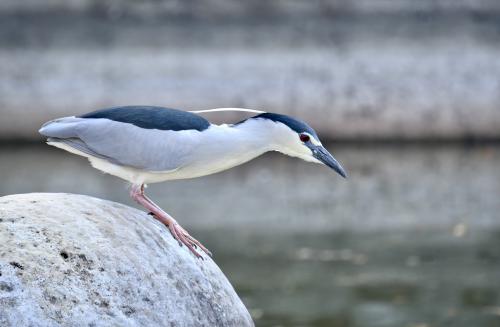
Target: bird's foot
<point>179,233</point>
<point>183,237</point>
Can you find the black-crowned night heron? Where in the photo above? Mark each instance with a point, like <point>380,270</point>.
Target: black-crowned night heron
<point>143,145</point>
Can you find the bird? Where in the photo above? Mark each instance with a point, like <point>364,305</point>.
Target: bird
<point>151,144</point>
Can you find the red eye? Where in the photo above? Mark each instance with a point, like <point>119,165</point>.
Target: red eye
<point>304,138</point>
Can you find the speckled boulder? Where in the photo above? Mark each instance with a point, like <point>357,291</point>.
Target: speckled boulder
<point>73,260</point>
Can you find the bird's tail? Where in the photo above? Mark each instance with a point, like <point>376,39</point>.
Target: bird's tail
<point>61,128</point>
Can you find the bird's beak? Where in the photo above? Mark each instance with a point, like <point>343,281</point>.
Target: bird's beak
<point>322,154</point>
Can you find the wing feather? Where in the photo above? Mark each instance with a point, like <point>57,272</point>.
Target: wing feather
<point>124,144</point>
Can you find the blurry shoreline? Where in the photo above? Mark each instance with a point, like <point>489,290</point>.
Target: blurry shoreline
<point>356,70</point>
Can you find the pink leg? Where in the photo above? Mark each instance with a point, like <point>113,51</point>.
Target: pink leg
<point>179,233</point>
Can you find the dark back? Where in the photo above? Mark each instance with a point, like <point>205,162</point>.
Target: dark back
<point>150,117</point>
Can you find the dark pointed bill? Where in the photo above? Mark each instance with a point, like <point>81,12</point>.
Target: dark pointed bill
<point>325,157</point>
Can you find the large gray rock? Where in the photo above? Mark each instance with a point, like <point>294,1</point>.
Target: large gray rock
<point>73,260</point>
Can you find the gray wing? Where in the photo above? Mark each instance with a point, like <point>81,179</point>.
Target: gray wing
<point>124,143</point>
<point>79,145</point>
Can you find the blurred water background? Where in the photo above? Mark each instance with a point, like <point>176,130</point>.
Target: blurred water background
<point>406,95</point>
<point>412,238</point>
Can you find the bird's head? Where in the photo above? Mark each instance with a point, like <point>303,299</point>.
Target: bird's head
<point>295,138</point>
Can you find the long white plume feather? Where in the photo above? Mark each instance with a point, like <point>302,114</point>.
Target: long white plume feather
<point>227,109</point>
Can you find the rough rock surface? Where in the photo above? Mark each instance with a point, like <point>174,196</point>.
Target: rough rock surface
<point>73,260</point>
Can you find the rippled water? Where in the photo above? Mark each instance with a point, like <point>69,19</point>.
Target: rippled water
<point>412,238</point>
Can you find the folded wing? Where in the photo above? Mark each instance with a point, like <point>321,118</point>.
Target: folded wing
<point>126,144</point>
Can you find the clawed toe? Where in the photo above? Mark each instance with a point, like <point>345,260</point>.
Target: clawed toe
<point>192,244</point>
<point>178,233</point>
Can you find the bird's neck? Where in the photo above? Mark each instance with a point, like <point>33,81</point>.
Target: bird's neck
<point>227,146</point>
<point>243,141</point>
<point>221,147</point>
<point>258,135</point>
